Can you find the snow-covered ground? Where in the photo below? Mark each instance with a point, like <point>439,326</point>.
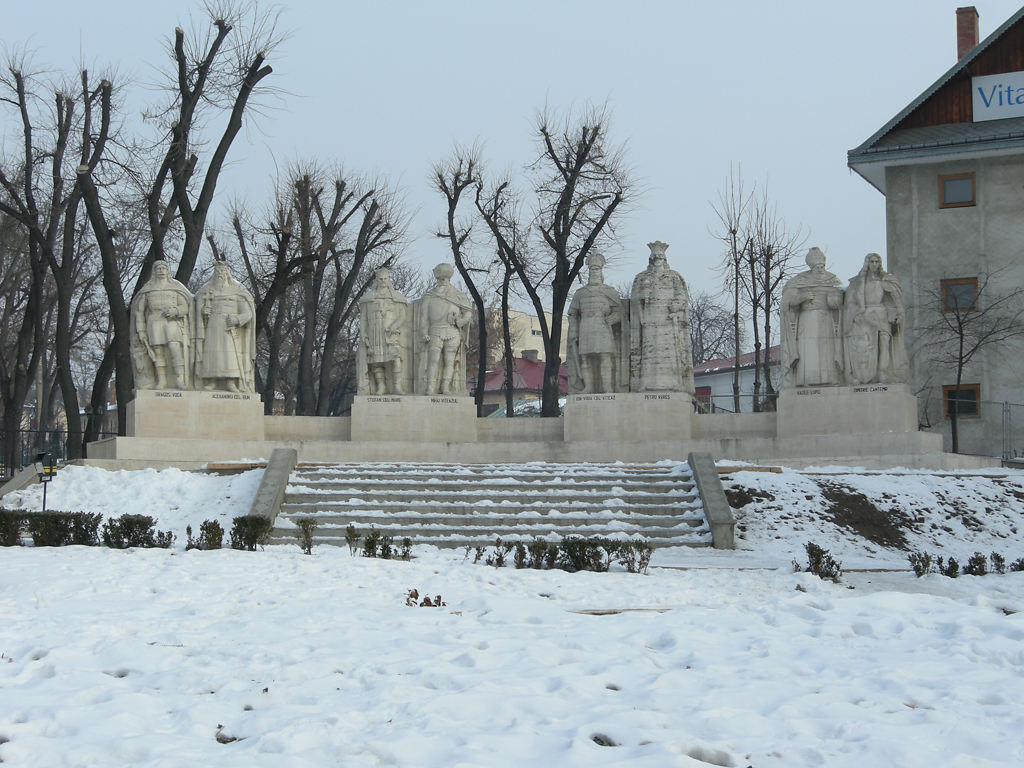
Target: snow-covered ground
<point>274,658</point>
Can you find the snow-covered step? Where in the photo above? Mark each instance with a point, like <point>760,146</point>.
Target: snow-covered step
<point>471,504</point>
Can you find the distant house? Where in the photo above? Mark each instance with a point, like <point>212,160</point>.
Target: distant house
<point>713,382</point>
<point>951,167</point>
<point>527,381</point>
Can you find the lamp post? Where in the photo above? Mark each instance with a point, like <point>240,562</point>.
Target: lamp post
<point>45,470</point>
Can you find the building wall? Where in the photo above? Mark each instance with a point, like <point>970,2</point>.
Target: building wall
<point>721,388</point>
<point>927,244</point>
<point>525,328</point>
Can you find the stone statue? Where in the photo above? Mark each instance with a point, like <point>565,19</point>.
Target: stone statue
<point>384,338</point>
<point>812,351</point>
<point>442,319</point>
<point>598,323</point>
<point>659,323</point>
<point>873,318</point>
<point>225,336</point>
<point>162,324</point>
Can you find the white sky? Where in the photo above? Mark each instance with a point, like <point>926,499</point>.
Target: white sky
<point>783,89</point>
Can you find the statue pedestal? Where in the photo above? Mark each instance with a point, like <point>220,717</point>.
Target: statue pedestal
<point>201,415</point>
<point>846,410</point>
<point>414,418</point>
<point>629,416</point>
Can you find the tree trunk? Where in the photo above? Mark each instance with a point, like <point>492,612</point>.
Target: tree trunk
<point>506,340</point>
<point>736,330</point>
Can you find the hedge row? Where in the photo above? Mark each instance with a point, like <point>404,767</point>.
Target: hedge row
<point>61,529</point>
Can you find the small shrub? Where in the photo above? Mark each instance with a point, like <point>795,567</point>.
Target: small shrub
<point>85,529</point>
<point>635,555</point>
<point>998,563</point>
<point>500,555</point>
<point>305,533</point>
<point>519,558</point>
<point>211,535</point>
<point>1017,565</point>
<point>250,531</point>
<point>950,569</point>
<point>377,544</point>
<point>49,529</point>
<point>821,563</point>
<point>406,552</point>
<point>583,554</point>
<point>11,523</point>
<point>977,565</point>
<point>371,543</point>
<point>921,562</point>
<point>352,538</point>
<point>538,551</point>
<point>134,531</point>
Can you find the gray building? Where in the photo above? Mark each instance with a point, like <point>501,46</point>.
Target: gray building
<point>951,167</point>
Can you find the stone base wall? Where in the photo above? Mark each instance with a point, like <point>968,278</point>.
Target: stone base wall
<point>873,428</point>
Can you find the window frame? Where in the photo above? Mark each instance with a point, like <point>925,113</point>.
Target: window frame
<point>948,389</point>
<point>943,178</point>
<point>946,283</point>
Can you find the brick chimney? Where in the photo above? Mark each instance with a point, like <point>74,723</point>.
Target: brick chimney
<point>966,30</point>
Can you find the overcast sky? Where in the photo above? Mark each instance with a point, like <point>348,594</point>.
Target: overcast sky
<point>782,89</point>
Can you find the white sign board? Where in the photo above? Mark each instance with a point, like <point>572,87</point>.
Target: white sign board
<point>998,96</point>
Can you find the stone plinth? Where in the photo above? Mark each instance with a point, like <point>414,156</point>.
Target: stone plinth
<point>871,408</point>
<point>623,416</point>
<point>200,415</point>
<point>416,418</point>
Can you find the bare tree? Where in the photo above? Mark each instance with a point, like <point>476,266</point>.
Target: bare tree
<point>712,329</point>
<point>217,70</point>
<point>731,210</point>
<point>770,251</point>
<point>958,328</point>
<point>307,266</point>
<point>451,177</point>
<point>759,248</point>
<point>579,184</point>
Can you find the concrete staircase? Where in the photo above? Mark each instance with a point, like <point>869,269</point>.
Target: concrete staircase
<point>470,504</point>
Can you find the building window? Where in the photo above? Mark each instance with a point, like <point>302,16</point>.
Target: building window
<point>966,400</point>
<point>959,294</point>
<point>956,190</point>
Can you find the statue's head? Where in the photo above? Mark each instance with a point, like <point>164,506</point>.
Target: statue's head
<point>382,278</point>
<point>873,265</point>
<point>161,271</point>
<point>815,259</point>
<point>657,257</point>
<point>443,272</point>
<point>596,263</point>
<point>221,273</point>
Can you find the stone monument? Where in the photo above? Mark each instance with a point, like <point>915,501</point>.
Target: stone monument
<point>597,350</point>
<point>873,321</point>
<point>384,356</point>
<point>181,344</point>
<point>442,318</point>
<point>811,341</point>
<point>659,321</point>
<point>225,336</point>
<point>434,346</point>
<point>162,326</point>
<point>845,369</point>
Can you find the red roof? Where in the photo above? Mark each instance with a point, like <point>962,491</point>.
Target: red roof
<point>727,364</point>
<point>527,376</point>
